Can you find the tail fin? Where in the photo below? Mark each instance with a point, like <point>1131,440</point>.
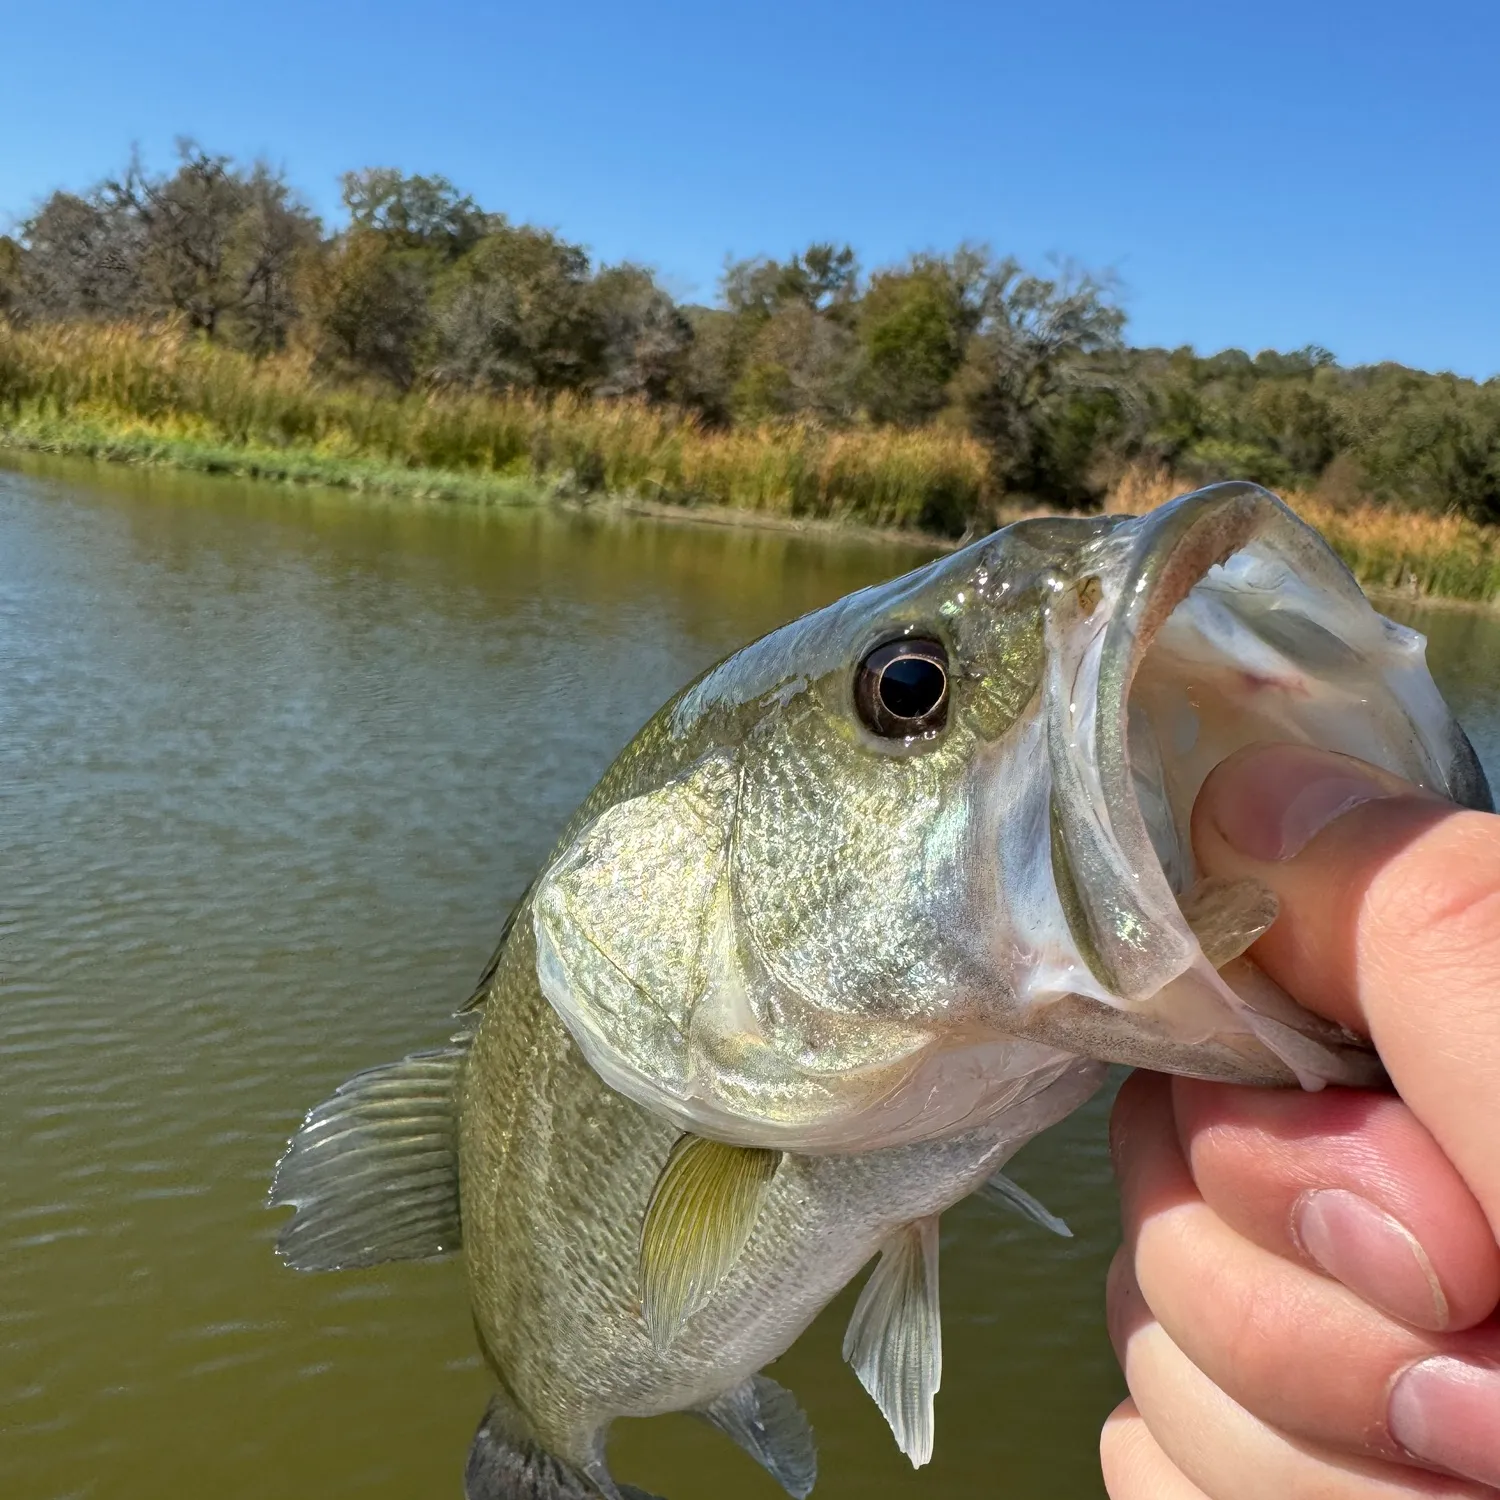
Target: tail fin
<point>506,1463</point>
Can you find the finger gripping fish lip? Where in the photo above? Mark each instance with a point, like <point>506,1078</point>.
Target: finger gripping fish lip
<point>1230,622</point>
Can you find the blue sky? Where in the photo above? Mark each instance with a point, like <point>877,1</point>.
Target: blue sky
<point>1261,175</point>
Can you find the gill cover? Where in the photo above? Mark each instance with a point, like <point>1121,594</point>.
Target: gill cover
<point>637,952</point>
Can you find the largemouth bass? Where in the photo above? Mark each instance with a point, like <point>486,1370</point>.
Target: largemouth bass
<point>857,914</point>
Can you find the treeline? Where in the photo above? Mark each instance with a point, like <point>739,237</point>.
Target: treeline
<point>422,289</point>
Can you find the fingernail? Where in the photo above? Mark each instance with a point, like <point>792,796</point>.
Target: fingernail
<point>1446,1411</point>
<point>1372,1254</point>
<point>1280,797</point>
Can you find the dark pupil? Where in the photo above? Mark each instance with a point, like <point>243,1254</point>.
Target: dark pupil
<point>912,686</point>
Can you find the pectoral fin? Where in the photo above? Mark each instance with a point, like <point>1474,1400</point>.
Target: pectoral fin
<point>702,1210</point>
<point>764,1418</point>
<point>1227,916</point>
<point>1003,1193</point>
<point>895,1340</point>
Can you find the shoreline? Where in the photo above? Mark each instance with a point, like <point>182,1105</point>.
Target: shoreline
<point>305,468</point>
<point>138,446</point>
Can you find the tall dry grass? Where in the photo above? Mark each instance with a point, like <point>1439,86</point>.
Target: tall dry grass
<point>1417,554</point>
<point>164,396</point>
<point>166,388</point>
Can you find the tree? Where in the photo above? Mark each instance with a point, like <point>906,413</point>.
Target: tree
<point>1038,351</point>
<point>711,363</point>
<point>12,289</point>
<point>274,240</point>
<point>642,337</point>
<point>915,323</point>
<point>415,212</point>
<point>1298,423</point>
<point>791,351</point>
<point>823,278</point>
<point>368,309</point>
<point>516,312</point>
<point>81,259</point>
<point>374,288</point>
<point>1431,441</point>
<point>216,244</point>
<point>188,221</point>
<point>801,363</point>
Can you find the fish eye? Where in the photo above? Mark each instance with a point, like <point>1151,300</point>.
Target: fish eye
<point>901,688</point>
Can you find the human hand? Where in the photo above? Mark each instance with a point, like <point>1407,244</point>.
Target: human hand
<point>1304,1304</point>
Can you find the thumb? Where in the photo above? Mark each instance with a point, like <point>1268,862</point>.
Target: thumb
<point>1389,924</point>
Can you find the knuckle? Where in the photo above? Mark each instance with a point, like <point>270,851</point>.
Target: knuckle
<point>1439,901</point>
<point>1205,1301</point>
<point>1429,927</point>
<point>1122,1458</point>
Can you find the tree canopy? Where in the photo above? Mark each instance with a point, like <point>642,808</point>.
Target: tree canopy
<point>421,286</point>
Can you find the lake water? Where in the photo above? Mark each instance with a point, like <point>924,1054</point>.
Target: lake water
<point>274,766</point>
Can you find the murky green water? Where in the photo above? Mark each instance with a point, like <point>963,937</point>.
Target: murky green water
<point>274,765</point>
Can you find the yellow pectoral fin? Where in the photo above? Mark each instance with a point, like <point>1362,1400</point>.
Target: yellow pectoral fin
<point>702,1210</point>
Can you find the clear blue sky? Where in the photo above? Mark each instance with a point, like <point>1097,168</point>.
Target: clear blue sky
<point>1259,174</point>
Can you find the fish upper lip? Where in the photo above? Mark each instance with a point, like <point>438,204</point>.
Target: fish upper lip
<point>1173,550</point>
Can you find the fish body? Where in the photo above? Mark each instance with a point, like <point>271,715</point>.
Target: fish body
<point>556,1174</point>
<point>857,914</point>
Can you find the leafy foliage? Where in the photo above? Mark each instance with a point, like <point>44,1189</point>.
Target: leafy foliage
<point>422,290</point>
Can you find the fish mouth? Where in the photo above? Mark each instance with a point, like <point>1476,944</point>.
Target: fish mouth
<point>1216,622</point>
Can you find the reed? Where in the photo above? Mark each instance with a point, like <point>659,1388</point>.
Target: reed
<point>120,392</point>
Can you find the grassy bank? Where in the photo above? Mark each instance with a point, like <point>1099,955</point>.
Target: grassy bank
<point>114,393</point>
<point>118,394</point>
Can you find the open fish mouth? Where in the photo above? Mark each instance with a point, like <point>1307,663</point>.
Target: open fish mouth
<point>1215,622</point>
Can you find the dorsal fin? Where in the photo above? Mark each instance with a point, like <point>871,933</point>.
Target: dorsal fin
<point>702,1210</point>
<point>895,1339</point>
<point>1000,1191</point>
<point>373,1172</point>
<point>765,1419</point>
<point>481,991</point>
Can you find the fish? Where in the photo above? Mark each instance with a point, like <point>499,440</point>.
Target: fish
<point>855,915</point>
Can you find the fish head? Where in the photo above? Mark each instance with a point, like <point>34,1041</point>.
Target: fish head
<point>924,850</point>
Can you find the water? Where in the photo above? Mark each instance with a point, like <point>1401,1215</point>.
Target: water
<point>274,765</point>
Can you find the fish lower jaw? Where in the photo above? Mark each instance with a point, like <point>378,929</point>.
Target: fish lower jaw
<point>952,1089</point>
